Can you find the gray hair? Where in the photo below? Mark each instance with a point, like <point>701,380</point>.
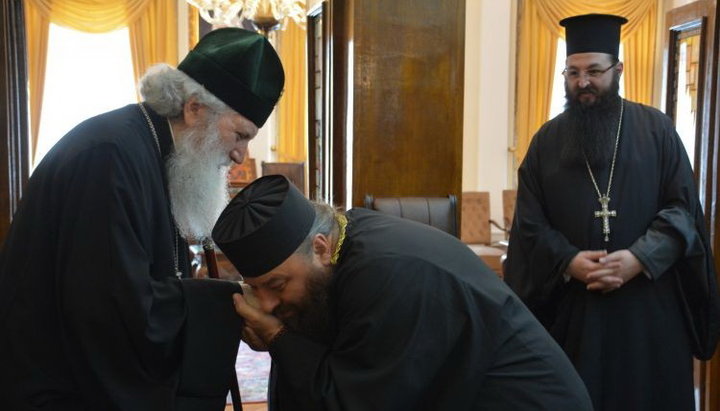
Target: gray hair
<point>166,89</point>
<point>324,224</point>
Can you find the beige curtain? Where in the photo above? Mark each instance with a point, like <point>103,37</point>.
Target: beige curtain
<point>153,36</point>
<point>535,66</point>
<point>37,27</point>
<point>692,65</point>
<point>539,31</point>
<point>193,26</point>
<point>292,107</point>
<point>639,55</point>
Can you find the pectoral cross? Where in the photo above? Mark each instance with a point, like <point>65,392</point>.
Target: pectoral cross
<point>605,214</point>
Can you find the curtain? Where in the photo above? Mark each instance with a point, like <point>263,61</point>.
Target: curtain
<point>153,36</point>
<point>92,16</point>
<point>639,53</point>
<point>37,27</point>
<point>692,68</point>
<point>193,27</point>
<point>535,66</point>
<point>539,31</point>
<point>292,107</point>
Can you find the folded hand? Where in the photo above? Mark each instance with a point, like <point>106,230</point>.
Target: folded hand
<point>617,269</point>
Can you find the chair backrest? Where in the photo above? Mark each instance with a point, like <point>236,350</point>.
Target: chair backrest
<point>439,212</point>
<point>295,172</point>
<point>509,197</point>
<point>475,217</point>
<point>242,174</point>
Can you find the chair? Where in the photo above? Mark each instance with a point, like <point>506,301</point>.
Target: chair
<point>476,221</point>
<point>508,197</point>
<point>199,268</point>
<point>438,212</point>
<point>240,175</point>
<point>475,229</point>
<point>295,172</point>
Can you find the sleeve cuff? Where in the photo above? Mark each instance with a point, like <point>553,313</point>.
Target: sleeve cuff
<point>657,252</point>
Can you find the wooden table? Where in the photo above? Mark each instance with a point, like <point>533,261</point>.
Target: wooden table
<point>492,256</point>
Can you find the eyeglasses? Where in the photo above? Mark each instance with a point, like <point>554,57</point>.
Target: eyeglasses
<point>574,74</point>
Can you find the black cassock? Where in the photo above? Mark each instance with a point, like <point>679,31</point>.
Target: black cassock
<point>633,346</point>
<point>419,322</point>
<point>92,315</point>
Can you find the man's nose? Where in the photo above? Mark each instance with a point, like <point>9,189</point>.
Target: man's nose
<point>237,154</point>
<point>583,82</point>
<point>268,303</point>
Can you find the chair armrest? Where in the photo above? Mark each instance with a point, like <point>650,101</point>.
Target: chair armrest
<point>503,229</point>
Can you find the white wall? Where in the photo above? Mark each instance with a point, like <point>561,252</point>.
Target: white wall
<point>671,4</point>
<point>489,98</point>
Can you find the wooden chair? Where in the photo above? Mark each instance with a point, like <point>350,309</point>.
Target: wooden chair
<point>241,175</point>
<point>476,221</point>
<point>439,212</point>
<point>508,197</point>
<point>295,172</point>
<point>475,229</point>
<point>199,269</point>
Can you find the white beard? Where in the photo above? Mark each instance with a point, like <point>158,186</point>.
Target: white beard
<point>197,180</point>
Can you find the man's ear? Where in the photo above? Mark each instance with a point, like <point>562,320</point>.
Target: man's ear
<point>193,112</point>
<point>619,67</point>
<point>322,249</point>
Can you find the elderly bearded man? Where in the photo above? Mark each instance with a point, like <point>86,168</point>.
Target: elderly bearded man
<point>364,311</point>
<point>608,246</point>
<point>96,312</point>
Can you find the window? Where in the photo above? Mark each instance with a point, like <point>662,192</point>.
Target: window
<point>688,61</point>
<point>86,74</point>
<point>557,102</point>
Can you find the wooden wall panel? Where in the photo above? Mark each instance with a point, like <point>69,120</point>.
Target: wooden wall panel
<point>14,158</point>
<point>709,181</point>
<point>710,392</point>
<point>408,68</point>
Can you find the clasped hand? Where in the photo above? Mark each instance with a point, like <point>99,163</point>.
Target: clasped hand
<point>260,328</point>
<point>604,272</point>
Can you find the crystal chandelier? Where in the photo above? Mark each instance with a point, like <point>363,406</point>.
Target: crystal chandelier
<point>265,15</point>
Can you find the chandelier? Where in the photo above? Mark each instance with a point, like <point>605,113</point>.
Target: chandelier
<point>265,15</point>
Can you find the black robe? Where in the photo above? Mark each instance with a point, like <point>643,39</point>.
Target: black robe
<point>633,346</point>
<point>92,315</point>
<point>419,322</point>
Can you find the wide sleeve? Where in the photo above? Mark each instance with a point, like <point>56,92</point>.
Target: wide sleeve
<point>123,310</point>
<point>672,234</point>
<point>211,340</point>
<point>395,331</point>
<point>677,239</point>
<point>538,254</point>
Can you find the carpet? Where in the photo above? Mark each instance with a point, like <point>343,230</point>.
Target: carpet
<point>253,369</point>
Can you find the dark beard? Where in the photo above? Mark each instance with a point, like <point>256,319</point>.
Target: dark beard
<point>591,130</point>
<point>311,316</point>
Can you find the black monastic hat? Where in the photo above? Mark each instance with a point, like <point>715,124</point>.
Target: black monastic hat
<point>263,225</point>
<point>239,67</point>
<point>593,33</point>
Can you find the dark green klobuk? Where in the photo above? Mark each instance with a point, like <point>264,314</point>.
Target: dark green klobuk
<point>263,225</point>
<point>239,67</point>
